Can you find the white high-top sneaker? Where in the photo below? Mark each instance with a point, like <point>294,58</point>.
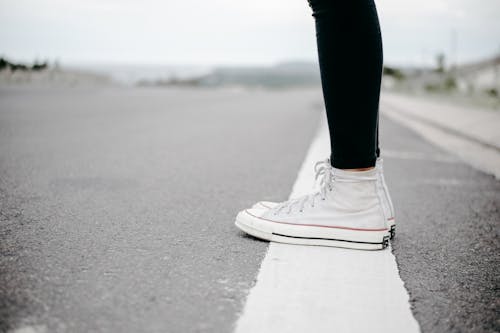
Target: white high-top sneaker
<point>345,212</point>
<point>386,199</point>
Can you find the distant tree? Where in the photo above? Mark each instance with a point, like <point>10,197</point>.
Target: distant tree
<point>3,64</point>
<point>450,83</point>
<point>440,63</point>
<point>492,92</point>
<point>39,66</point>
<point>18,67</point>
<point>394,72</point>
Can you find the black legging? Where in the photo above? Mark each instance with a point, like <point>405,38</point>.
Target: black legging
<point>350,59</point>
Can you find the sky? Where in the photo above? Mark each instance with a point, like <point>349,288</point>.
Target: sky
<point>233,32</point>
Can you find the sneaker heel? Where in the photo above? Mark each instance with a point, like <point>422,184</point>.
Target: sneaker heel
<point>385,242</point>
<point>392,232</point>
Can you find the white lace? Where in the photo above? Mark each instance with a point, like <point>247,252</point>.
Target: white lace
<point>325,174</point>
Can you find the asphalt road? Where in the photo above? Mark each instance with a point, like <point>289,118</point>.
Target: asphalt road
<point>117,209</point>
<point>118,205</point>
<point>447,245</point>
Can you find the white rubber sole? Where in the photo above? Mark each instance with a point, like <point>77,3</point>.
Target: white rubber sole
<point>313,235</point>
<point>391,221</point>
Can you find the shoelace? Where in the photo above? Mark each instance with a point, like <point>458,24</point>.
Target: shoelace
<point>324,172</point>
<point>326,175</point>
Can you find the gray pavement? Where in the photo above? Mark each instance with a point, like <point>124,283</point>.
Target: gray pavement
<point>473,123</point>
<point>117,209</point>
<point>117,205</point>
<point>447,244</point>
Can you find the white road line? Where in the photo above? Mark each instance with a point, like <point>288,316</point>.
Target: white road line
<point>418,156</point>
<point>322,289</point>
<point>476,155</point>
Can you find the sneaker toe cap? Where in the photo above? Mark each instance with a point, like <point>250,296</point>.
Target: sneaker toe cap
<point>250,216</point>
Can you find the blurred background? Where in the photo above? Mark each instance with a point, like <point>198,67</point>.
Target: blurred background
<point>438,47</point>
<point>132,132</point>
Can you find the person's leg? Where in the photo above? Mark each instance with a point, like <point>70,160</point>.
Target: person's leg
<point>351,207</point>
<point>378,145</point>
<point>350,58</point>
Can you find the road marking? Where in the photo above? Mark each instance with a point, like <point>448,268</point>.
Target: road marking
<point>418,156</point>
<point>322,289</point>
<point>477,155</point>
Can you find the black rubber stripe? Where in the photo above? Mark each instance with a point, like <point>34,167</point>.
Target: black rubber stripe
<point>330,239</point>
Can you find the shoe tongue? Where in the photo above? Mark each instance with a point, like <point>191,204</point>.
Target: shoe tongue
<point>354,174</point>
